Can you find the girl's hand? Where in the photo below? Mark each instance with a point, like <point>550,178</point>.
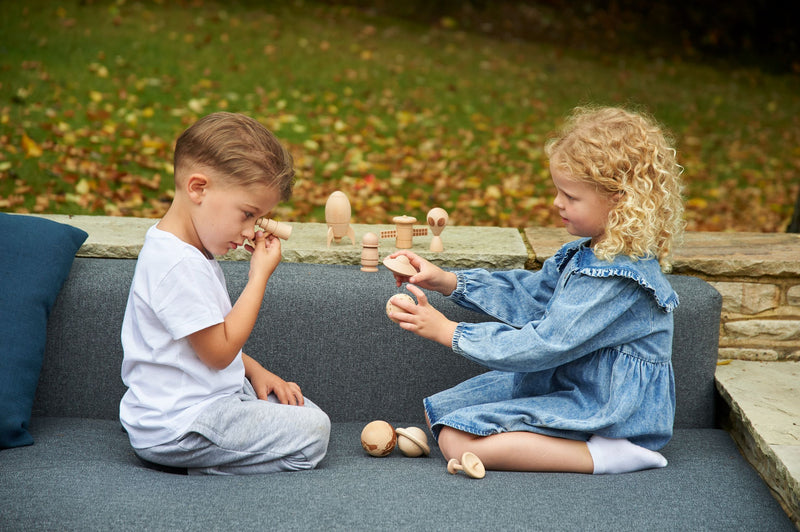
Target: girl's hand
<point>266,256</point>
<point>423,319</point>
<point>429,276</point>
<point>265,382</point>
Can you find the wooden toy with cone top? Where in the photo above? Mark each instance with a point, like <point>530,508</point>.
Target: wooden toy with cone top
<point>337,216</point>
<point>404,231</point>
<point>470,464</point>
<point>437,219</point>
<point>369,252</point>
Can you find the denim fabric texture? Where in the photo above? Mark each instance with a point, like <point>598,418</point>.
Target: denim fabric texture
<point>583,347</point>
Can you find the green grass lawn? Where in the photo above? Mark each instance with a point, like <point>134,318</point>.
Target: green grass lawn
<point>402,117</point>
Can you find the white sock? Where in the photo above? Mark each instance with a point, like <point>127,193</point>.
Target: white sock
<point>621,456</point>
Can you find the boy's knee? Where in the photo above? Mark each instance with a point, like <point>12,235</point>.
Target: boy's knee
<point>318,438</point>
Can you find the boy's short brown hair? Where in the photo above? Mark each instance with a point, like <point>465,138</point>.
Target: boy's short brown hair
<point>239,148</point>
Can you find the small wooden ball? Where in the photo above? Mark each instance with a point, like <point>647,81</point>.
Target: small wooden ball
<point>378,438</point>
<point>390,308</point>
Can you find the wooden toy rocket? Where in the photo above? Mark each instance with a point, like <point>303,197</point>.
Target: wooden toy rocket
<point>337,215</point>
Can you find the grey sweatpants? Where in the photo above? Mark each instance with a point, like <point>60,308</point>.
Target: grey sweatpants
<point>241,434</point>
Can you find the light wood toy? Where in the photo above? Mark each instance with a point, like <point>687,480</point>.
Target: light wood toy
<point>271,227</point>
<point>337,216</point>
<point>378,438</point>
<point>412,442</point>
<point>404,231</point>
<point>391,308</point>
<point>470,464</point>
<point>437,219</point>
<point>400,265</point>
<point>369,253</point>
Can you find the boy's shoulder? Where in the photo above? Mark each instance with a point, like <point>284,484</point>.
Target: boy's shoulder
<point>162,251</point>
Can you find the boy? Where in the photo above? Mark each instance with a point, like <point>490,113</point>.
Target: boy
<point>194,400</point>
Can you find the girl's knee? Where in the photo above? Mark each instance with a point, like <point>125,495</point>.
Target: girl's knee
<point>453,443</point>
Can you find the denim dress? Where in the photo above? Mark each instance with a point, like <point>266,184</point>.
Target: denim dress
<point>583,347</point>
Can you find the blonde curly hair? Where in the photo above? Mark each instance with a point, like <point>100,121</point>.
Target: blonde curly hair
<point>628,155</point>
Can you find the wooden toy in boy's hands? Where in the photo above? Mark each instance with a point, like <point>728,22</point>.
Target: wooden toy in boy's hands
<point>378,438</point>
<point>412,442</point>
<point>337,216</point>
<point>391,308</point>
<point>369,252</point>
<point>271,227</point>
<point>437,219</point>
<point>400,265</point>
<point>470,464</point>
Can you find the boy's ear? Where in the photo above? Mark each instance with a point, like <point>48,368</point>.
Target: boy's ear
<point>196,186</point>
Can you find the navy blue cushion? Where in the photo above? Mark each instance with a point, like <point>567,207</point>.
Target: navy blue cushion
<point>35,258</point>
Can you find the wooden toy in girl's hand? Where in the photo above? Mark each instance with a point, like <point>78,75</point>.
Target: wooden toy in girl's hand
<point>391,308</point>
<point>400,265</point>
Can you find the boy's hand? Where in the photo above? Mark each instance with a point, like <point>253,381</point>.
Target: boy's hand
<point>429,276</point>
<point>265,382</point>
<point>266,256</point>
<point>423,319</point>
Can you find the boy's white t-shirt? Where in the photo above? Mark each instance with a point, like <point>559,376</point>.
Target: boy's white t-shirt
<point>176,291</point>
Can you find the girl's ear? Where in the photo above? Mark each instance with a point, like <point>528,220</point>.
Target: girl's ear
<point>196,187</point>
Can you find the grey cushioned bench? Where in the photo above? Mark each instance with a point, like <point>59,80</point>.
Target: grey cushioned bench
<point>324,326</point>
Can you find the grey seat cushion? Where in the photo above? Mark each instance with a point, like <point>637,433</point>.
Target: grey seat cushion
<point>82,475</point>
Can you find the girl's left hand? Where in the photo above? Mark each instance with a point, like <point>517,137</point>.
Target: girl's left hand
<point>423,319</point>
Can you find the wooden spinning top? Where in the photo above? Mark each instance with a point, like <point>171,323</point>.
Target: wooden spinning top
<point>400,265</point>
<point>470,464</point>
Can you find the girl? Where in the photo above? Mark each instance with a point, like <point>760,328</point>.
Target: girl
<point>582,379</point>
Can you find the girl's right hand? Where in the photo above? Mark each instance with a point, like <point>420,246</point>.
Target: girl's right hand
<point>429,276</point>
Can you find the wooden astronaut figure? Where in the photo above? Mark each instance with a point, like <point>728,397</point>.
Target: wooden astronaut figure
<point>437,219</point>
<point>337,215</point>
<point>369,253</point>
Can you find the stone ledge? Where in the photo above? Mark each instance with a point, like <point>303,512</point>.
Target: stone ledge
<point>465,246</point>
<point>764,420</point>
<point>707,253</point>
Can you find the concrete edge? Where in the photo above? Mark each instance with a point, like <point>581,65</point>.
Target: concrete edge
<point>778,464</point>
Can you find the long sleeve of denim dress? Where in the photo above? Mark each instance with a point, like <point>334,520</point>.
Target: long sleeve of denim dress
<point>583,347</point>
